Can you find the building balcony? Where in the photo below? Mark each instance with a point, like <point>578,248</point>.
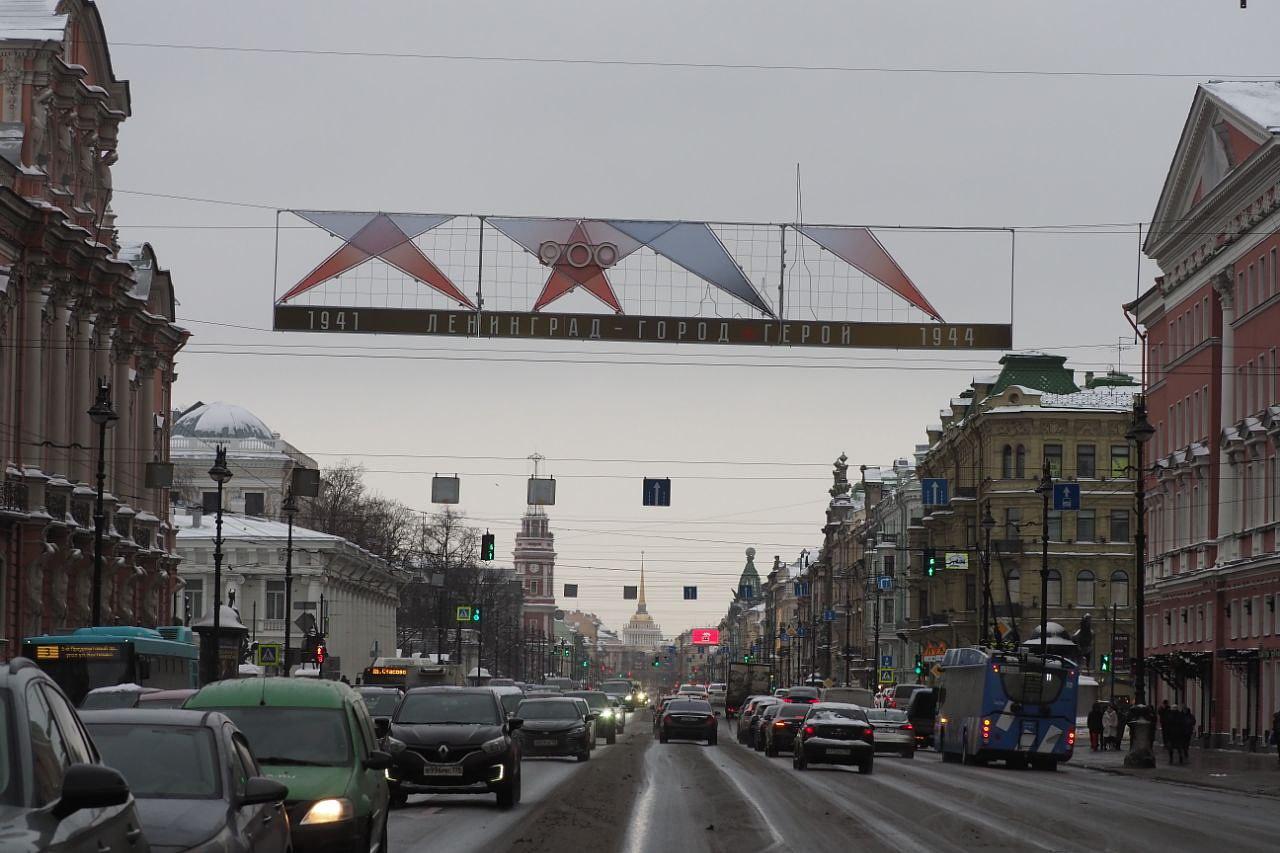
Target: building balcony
<point>13,496</point>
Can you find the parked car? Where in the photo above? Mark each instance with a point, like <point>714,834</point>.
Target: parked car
<point>893,731</point>
<point>861,696</point>
<point>605,723</point>
<point>115,696</point>
<point>899,696</point>
<point>555,727</point>
<point>765,719</point>
<point>922,712</point>
<point>161,699</point>
<point>835,733</point>
<point>750,718</point>
<point>59,796</point>
<point>780,733</point>
<point>208,792</point>
<point>315,736</point>
<point>690,719</point>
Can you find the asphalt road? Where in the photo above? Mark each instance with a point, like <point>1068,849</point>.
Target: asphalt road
<point>691,797</point>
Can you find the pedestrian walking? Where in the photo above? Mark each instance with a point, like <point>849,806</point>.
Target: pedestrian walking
<point>1110,728</point>
<point>1172,729</point>
<point>1095,726</point>
<point>1163,717</point>
<point>1186,731</point>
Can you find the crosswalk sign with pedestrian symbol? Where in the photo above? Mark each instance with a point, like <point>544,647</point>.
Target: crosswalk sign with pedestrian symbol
<point>269,654</point>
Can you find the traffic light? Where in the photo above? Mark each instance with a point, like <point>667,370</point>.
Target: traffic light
<point>919,665</point>
<point>585,663</point>
<point>320,652</point>
<point>476,617</point>
<point>1104,663</point>
<point>931,562</point>
<point>486,546</point>
<point>656,662</point>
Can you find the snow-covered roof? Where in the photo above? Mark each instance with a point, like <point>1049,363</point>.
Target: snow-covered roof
<point>1257,100</point>
<point>31,20</point>
<point>1118,397</point>
<point>221,420</point>
<point>247,527</point>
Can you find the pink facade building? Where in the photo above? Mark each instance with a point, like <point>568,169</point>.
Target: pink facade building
<point>1213,331</point>
<point>535,565</point>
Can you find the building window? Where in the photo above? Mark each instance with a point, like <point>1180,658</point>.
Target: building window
<point>534,587</point>
<point>1120,460</point>
<point>1020,469</point>
<point>1120,588</point>
<point>1085,588</point>
<point>1119,525</point>
<point>209,502</point>
<point>255,503</point>
<point>1086,526</point>
<point>1086,461</point>
<point>1012,518</point>
<point>1053,456</point>
<point>1054,598</point>
<point>970,593</point>
<point>1014,579</point>
<point>275,600</point>
<point>887,616</point>
<point>889,565</point>
<point>1054,530</point>
<point>1006,462</point>
<point>194,598</point>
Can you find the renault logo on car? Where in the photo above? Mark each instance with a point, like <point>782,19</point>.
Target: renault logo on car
<point>443,752</point>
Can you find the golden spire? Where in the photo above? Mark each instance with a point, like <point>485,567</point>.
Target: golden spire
<point>640,608</point>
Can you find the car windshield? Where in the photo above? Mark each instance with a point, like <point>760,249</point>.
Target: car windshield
<point>620,687</point>
<point>542,710</point>
<point>279,735</point>
<point>9,793</point>
<point>838,714</point>
<point>886,715</point>
<point>510,702</point>
<point>793,710</point>
<point>692,705</point>
<point>597,701</point>
<point>448,708</point>
<point>188,771</point>
<point>162,702</point>
<point>381,704</point>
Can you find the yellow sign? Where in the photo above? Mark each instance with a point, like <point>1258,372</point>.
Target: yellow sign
<point>886,676</point>
<point>389,670</point>
<point>79,652</point>
<point>46,652</point>
<point>270,654</point>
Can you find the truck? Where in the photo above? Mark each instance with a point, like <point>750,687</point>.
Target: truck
<point>745,679</point>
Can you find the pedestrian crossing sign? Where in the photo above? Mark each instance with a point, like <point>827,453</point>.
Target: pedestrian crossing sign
<point>269,654</point>
<point>886,676</point>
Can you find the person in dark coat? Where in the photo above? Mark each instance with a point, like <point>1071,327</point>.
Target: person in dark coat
<point>1163,716</point>
<point>1172,728</point>
<point>1095,726</point>
<point>1186,732</point>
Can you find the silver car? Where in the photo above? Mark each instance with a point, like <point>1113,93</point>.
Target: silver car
<point>893,731</point>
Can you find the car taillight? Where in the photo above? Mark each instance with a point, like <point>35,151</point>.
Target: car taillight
<point>868,733</point>
<point>809,731</point>
<point>986,729</point>
<point>667,718</point>
<point>1071,737</point>
<point>906,727</point>
<point>779,725</point>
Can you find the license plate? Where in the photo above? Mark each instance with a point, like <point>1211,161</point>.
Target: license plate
<point>838,752</point>
<point>689,719</point>
<point>545,742</point>
<point>443,770</point>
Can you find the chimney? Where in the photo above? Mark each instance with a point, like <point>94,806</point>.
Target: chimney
<point>197,516</point>
<point>1088,379</point>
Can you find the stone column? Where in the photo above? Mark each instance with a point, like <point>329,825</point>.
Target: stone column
<point>84,384</point>
<point>31,347</point>
<point>121,438</point>
<point>1228,482</point>
<point>57,390</point>
<point>144,432</point>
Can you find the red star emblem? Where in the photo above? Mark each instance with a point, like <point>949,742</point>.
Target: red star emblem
<point>577,262</point>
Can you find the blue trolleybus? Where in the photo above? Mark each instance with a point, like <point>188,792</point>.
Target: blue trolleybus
<point>166,658</point>
<point>1014,706</point>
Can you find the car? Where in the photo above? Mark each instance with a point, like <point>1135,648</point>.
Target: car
<point>658,708</point>
<point>561,684</point>
<point>207,793</point>
<point>455,740</point>
<point>781,693</point>
<point>780,733</point>
<point>763,720</point>
<point>922,711</point>
<point>835,733</point>
<point>510,697</point>
<point>381,701</point>
<point>693,690</point>
<point>555,727</point>
<point>689,719</point>
<point>115,696</point>
<point>57,795</point>
<point>158,699</point>
<point>587,714</point>
<point>316,736</point>
<point>860,696</point>
<point>805,695</point>
<point>605,723</point>
<point>750,718</point>
<point>501,682</point>
<point>716,695</point>
<point>899,696</point>
<point>893,731</point>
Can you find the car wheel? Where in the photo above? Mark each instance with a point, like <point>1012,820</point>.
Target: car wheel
<point>798,762</point>
<point>399,800</point>
<point>713,740</point>
<point>910,753</point>
<point>585,755</point>
<point>509,794</point>
<point>866,766</point>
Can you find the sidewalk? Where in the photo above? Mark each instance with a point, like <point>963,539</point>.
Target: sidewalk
<point>1255,773</point>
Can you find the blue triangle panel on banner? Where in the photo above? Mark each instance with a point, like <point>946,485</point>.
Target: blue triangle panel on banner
<point>339,223</point>
<point>416,224</point>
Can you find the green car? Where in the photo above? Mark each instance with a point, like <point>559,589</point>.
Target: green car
<point>317,738</point>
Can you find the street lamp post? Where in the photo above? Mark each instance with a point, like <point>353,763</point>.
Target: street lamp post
<point>987,524</point>
<point>1045,491</point>
<point>221,475</point>
<point>1141,725</point>
<point>290,509</point>
<point>102,414</point>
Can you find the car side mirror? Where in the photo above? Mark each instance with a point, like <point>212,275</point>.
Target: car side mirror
<point>382,727</point>
<point>90,786</point>
<point>592,715</point>
<point>260,789</point>
<point>393,746</point>
<point>378,760</point>
<point>514,723</point>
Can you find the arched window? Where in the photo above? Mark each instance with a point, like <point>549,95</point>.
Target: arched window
<point>1006,462</point>
<point>1021,468</point>
<point>1054,598</point>
<point>1085,584</point>
<point>1120,588</point>
<point>1015,586</point>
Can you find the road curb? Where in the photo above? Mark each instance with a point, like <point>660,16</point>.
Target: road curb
<point>1189,783</point>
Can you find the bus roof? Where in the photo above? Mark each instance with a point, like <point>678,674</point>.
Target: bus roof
<point>981,655</point>
<point>145,640</point>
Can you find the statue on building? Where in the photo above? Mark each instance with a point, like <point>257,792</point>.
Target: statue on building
<point>840,475</point>
<point>1083,637</point>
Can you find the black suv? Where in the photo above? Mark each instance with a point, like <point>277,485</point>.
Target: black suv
<point>453,740</point>
<point>607,721</point>
<point>55,793</point>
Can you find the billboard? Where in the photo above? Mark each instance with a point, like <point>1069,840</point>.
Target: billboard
<point>706,636</point>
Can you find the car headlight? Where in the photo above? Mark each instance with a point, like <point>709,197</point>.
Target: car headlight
<point>628,697</point>
<point>495,746</point>
<point>332,810</point>
<point>577,730</point>
<point>607,713</point>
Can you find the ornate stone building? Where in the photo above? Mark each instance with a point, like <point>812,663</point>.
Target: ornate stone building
<point>641,632</point>
<point>76,307</point>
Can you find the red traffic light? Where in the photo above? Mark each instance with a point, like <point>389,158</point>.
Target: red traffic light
<point>320,653</point>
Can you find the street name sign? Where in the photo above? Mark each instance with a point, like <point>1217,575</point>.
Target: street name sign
<point>657,491</point>
<point>1066,496</point>
<point>934,491</point>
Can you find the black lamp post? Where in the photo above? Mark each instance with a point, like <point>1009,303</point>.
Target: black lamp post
<point>1140,432</point>
<point>102,414</point>
<point>1045,490</point>
<point>290,510</point>
<point>221,475</point>
<point>987,524</point>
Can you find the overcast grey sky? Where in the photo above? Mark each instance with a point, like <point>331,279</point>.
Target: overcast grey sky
<point>378,133</point>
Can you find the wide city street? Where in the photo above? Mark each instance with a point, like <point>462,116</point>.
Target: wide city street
<point>641,796</point>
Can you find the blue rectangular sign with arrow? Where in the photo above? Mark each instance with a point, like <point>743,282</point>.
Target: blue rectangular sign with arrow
<point>934,491</point>
<point>657,492</point>
<point>1066,496</point>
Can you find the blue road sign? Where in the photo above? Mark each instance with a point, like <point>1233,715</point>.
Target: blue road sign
<point>934,491</point>
<point>828,615</point>
<point>886,660</point>
<point>803,631</point>
<point>885,581</point>
<point>657,492</point>
<point>1066,496</point>
<point>690,593</point>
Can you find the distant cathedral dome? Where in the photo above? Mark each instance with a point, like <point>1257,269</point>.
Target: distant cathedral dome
<point>221,420</point>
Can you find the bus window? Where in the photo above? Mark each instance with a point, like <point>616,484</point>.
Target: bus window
<point>1032,687</point>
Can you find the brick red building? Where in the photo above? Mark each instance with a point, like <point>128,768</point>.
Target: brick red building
<point>1213,333</point>
<point>75,306</point>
